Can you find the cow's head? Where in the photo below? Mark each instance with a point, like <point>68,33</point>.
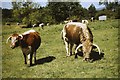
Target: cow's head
<point>87,49</point>
<point>15,38</point>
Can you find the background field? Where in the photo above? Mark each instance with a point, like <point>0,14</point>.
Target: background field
<point>51,56</point>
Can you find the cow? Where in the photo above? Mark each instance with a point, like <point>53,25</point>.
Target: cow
<point>85,22</point>
<point>92,19</point>
<point>18,23</point>
<point>79,34</point>
<point>29,42</point>
<point>41,25</point>
<point>34,25</point>
<point>8,24</point>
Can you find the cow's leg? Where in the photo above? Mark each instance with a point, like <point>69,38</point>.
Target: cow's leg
<point>42,27</point>
<point>31,54</point>
<point>71,46</point>
<point>67,48</point>
<point>25,58</point>
<point>77,50</point>
<point>34,56</point>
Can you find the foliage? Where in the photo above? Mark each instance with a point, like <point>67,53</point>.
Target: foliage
<point>7,15</point>
<point>112,8</point>
<point>92,11</point>
<point>56,12</point>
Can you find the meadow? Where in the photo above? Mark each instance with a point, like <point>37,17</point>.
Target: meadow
<point>51,56</point>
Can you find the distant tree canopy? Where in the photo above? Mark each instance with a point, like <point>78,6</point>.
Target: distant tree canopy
<point>7,15</point>
<point>56,12</point>
<point>112,8</point>
<point>64,10</point>
<point>92,10</point>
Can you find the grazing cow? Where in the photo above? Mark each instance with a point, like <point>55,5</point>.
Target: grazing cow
<point>92,18</point>
<point>48,24</point>
<point>79,34</point>
<point>85,22</point>
<point>34,25</point>
<point>8,24</point>
<point>28,41</point>
<point>66,22</point>
<point>41,25</point>
<point>18,23</point>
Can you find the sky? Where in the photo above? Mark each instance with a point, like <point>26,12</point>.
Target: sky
<point>85,3</point>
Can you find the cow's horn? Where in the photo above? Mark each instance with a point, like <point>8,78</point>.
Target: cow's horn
<point>97,47</point>
<point>8,39</point>
<point>78,47</point>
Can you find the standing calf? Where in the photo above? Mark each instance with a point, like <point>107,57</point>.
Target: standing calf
<point>28,41</point>
<point>79,34</point>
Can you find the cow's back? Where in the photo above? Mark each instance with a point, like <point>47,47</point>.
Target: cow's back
<point>32,39</point>
<point>73,33</point>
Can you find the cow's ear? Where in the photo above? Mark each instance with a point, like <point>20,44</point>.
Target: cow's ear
<point>20,37</point>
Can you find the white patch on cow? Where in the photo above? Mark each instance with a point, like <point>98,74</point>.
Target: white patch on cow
<point>78,24</point>
<point>28,56</point>
<point>42,24</point>
<point>67,48</point>
<point>64,34</point>
<point>28,32</point>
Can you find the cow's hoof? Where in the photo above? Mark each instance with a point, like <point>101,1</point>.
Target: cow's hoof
<point>29,65</point>
<point>67,55</point>
<point>85,59</point>
<point>88,60</point>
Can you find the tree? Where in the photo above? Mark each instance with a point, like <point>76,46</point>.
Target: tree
<point>112,7</point>
<point>104,2</point>
<point>60,11</point>
<point>7,15</point>
<point>22,11</point>
<point>92,10</point>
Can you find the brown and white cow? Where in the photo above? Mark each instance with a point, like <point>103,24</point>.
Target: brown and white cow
<point>28,41</point>
<point>79,34</point>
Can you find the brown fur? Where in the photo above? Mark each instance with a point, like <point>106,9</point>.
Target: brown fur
<point>32,39</point>
<point>76,34</point>
<point>29,43</point>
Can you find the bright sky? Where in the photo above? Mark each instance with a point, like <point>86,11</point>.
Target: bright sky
<point>84,3</point>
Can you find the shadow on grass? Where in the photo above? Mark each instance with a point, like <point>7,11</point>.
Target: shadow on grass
<point>94,55</point>
<point>44,60</point>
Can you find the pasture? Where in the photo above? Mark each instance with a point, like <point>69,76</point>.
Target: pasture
<point>51,56</point>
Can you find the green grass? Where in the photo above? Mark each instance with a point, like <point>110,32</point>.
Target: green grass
<point>51,56</point>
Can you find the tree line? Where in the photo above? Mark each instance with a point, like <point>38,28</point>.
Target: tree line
<point>56,12</point>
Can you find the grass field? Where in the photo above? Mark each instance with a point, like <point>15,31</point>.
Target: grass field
<point>51,56</point>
